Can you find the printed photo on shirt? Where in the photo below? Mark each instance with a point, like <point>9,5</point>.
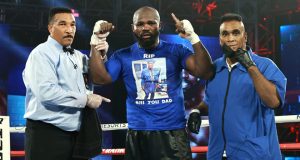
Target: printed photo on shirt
<point>150,78</point>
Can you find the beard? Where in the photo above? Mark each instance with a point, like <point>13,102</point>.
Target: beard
<point>147,42</point>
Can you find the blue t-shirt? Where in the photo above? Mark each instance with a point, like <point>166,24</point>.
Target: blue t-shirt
<point>249,125</point>
<point>166,110</point>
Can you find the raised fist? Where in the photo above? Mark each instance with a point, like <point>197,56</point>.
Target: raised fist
<point>101,31</point>
<point>244,58</point>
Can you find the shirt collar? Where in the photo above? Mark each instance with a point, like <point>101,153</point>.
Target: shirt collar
<point>231,66</point>
<point>136,46</point>
<point>221,64</point>
<point>55,43</point>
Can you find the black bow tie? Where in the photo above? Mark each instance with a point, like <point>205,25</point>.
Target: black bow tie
<point>68,49</point>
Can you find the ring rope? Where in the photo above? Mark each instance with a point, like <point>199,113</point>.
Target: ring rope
<point>197,149</point>
<point>205,123</point>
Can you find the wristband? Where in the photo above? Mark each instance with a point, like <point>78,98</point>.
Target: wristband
<point>195,110</point>
<point>189,31</point>
<point>194,38</point>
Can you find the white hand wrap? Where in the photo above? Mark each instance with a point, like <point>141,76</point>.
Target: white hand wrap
<point>195,110</point>
<point>189,31</point>
<point>96,36</point>
<point>102,46</point>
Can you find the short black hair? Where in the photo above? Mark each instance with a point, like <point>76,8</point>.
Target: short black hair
<point>56,10</point>
<point>231,16</point>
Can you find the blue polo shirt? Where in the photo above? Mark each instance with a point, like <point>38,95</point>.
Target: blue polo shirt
<point>248,129</point>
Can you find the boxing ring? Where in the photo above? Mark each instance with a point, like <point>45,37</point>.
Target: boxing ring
<point>196,149</point>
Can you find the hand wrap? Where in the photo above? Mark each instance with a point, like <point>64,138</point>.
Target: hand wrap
<point>97,37</point>
<point>189,34</point>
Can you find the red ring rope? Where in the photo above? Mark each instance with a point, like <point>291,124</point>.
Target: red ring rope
<point>198,149</point>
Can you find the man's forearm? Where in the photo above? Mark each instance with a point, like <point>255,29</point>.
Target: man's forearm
<point>266,89</point>
<point>203,62</point>
<point>97,68</point>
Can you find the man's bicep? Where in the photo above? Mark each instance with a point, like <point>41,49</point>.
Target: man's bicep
<point>190,64</point>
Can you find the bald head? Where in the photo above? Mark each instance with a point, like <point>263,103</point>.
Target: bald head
<point>145,11</point>
<point>146,26</point>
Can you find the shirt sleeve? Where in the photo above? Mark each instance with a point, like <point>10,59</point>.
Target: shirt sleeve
<point>273,74</point>
<point>113,66</point>
<point>184,53</point>
<point>41,80</point>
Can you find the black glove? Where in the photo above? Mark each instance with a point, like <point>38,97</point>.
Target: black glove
<point>244,58</point>
<point>194,121</point>
<point>229,53</point>
<point>241,55</point>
